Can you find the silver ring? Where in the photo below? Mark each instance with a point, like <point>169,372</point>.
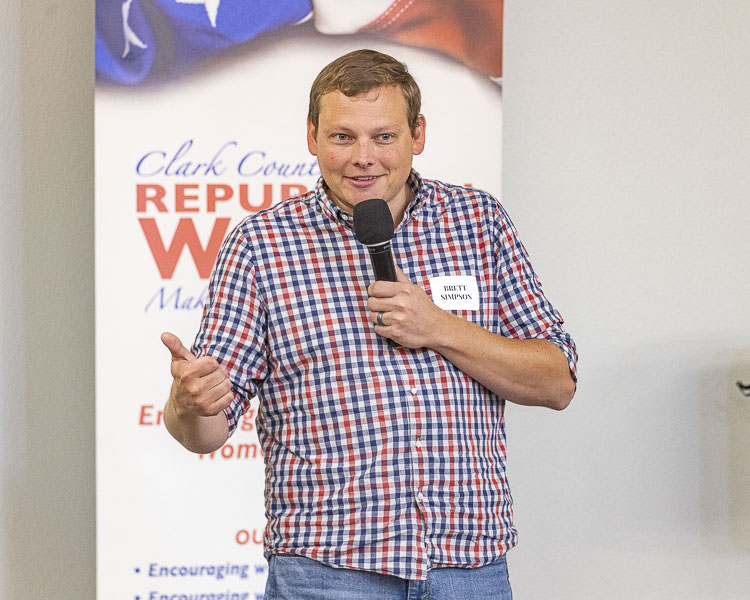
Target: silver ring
<point>380,319</point>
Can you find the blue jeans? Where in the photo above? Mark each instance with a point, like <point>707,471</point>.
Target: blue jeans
<point>299,578</point>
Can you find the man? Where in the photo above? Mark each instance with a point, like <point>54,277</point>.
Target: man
<point>385,467</point>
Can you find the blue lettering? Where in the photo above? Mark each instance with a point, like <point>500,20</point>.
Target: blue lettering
<point>255,163</point>
<point>179,154</point>
<point>241,165</point>
<point>144,157</point>
<point>215,163</point>
<point>161,300</point>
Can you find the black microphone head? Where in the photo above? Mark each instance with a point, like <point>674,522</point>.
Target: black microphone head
<point>373,222</point>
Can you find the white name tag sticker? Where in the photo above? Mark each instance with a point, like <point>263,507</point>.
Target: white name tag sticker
<point>455,292</point>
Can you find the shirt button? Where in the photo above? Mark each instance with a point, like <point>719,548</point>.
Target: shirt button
<point>420,496</point>
<point>419,443</point>
<point>414,390</point>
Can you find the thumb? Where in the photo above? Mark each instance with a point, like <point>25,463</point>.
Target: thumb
<point>174,345</point>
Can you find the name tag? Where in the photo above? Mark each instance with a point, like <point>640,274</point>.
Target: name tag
<point>455,292</point>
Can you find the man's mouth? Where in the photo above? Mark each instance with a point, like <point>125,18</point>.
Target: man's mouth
<point>363,182</point>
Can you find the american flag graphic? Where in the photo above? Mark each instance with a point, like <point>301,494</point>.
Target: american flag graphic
<point>151,40</point>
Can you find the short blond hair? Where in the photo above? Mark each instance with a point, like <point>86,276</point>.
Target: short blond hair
<point>359,72</point>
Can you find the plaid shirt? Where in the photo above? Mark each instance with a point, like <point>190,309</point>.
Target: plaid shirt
<point>388,460</point>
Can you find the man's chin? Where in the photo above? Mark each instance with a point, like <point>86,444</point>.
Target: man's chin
<point>354,200</point>
<point>364,197</point>
<point>353,197</point>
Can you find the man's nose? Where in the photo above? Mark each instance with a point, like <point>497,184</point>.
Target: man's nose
<point>363,155</point>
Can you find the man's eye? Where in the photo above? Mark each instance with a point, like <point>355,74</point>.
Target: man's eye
<point>386,137</point>
<point>340,137</point>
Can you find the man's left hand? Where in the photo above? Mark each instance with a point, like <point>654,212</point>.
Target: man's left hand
<point>532,372</point>
<point>409,317</point>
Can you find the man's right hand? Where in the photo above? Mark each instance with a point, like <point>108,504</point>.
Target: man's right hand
<point>201,386</point>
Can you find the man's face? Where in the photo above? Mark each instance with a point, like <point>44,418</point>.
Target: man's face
<point>365,147</point>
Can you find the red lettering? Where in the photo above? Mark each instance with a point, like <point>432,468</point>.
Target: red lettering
<point>147,416</point>
<point>185,235</point>
<point>235,451</point>
<point>247,420</point>
<point>244,450</point>
<point>267,198</point>
<point>242,537</point>
<point>189,197</point>
<point>213,196</point>
<point>143,196</point>
<point>181,196</point>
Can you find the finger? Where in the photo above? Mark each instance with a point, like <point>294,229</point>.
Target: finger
<point>374,318</point>
<point>202,393</point>
<point>375,304</point>
<point>199,368</point>
<point>215,378</point>
<point>400,276</point>
<point>175,347</point>
<point>211,408</point>
<point>389,319</point>
<point>222,403</point>
<point>383,289</point>
<point>217,394</point>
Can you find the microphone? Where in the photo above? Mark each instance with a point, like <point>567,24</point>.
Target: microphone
<point>373,227</point>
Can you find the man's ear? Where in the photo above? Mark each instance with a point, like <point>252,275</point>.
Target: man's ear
<point>418,138</point>
<point>312,144</point>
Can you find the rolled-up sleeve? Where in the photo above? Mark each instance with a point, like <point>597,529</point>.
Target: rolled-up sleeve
<point>525,311</point>
<point>233,327</point>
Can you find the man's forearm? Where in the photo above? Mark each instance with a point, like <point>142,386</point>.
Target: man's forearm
<point>531,372</point>
<point>198,434</point>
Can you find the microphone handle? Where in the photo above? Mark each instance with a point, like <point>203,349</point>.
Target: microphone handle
<point>382,262</point>
<point>385,270</point>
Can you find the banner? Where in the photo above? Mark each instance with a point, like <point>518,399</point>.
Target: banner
<point>200,121</point>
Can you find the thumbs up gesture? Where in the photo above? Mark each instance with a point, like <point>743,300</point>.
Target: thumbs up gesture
<point>201,386</point>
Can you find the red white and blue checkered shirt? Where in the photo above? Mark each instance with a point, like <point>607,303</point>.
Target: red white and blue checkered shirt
<point>383,459</point>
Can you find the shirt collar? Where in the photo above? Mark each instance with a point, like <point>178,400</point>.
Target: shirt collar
<point>339,215</point>
<point>419,194</point>
<point>329,207</point>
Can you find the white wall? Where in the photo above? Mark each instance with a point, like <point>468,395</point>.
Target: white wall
<point>626,171</point>
<point>46,301</point>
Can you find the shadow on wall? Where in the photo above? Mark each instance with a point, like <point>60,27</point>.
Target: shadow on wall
<point>726,455</point>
